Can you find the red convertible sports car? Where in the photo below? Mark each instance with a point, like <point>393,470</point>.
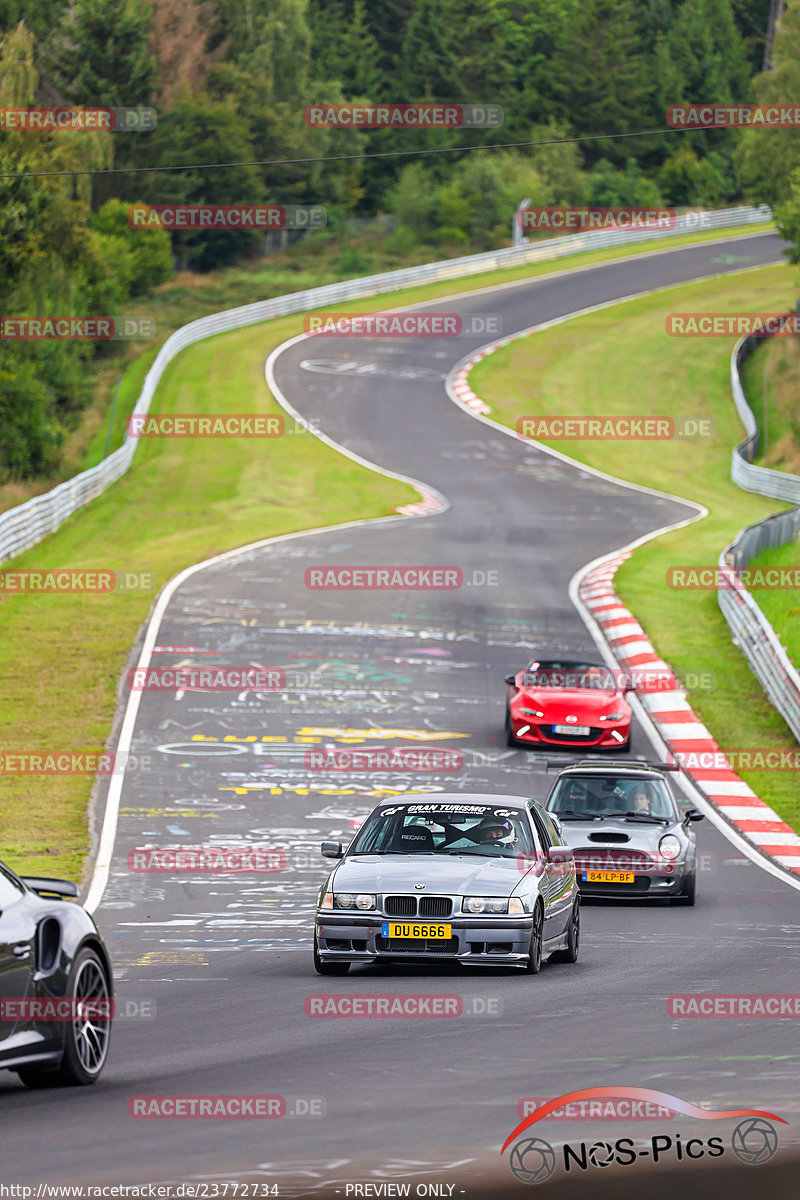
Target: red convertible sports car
<point>568,703</point>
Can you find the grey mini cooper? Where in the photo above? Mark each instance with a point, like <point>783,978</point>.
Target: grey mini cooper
<point>476,879</point>
<point>626,830</point>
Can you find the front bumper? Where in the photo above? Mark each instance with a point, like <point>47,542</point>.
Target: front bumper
<point>600,738</point>
<point>496,941</point>
<point>646,883</point>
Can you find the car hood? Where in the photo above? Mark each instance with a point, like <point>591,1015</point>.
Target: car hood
<point>640,836</point>
<point>566,701</point>
<point>468,875</point>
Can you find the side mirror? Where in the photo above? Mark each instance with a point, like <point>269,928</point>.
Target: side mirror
<point>559,854</point>
<point>45,886</point>
<point>331,849</point>
<point>692,814</point>
<point>511,679</point>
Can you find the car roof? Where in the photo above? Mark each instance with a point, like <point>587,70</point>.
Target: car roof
<point>613,767</point>
<point>464,798</point>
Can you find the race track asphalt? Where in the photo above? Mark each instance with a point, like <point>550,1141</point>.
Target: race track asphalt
<point>223,964</point>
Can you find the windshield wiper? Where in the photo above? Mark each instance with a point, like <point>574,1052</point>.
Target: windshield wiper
<point>635,816</point>
<point>569,814</point>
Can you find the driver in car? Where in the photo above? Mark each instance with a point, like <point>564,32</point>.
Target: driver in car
<point>640,801</point>
<point>493,832</point>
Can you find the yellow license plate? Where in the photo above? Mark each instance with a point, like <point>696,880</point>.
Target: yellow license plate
<point>608,877</point>
<point>417,930</point>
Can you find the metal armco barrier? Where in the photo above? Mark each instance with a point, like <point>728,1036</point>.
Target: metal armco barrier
<point>27,524</point>
<point>751,630</point>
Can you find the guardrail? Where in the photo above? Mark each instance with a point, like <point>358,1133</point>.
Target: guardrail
<point>751,630</point>
<point>24,526</point>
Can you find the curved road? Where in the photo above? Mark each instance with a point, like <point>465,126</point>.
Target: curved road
<point>223,964</point>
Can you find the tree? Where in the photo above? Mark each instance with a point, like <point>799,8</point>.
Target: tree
<point>149,261</point>
<point>271,40</point>
<point>598,77</point>
<point>178,42</point>
<point>767,157</point>
<point>104,56</point>
<point>787,217</point>
<point>201,130</point>
<point>702,58</point>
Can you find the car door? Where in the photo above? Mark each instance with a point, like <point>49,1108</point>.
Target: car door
<point>563,875</point>
<point>558,876</point>
<point>548,880</point>
<point>17,955</point>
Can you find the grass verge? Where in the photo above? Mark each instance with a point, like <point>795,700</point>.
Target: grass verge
<point>646,372</point>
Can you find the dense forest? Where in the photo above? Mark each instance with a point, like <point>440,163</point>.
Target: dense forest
<point>230,83</point>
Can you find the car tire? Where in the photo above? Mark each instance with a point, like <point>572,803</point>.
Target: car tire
<point>534,963</point>
<point>328,968</point>
<point>86,1042</point>
<point>687,895</point>
<point>570,953</point>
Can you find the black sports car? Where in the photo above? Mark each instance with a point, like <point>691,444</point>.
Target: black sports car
<point>56,985</point>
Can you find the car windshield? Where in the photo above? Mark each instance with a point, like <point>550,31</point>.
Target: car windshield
<point>573,675</point>
<point>594,796</point>
<point>481,829</point>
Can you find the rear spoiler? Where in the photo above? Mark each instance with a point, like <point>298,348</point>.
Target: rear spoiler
<point>51,887</point>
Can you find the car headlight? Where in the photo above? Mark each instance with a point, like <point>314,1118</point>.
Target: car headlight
<point>612,717</point>
<point>346,900</point>
<point>531,712</point>
<point>485,904</point>
<point>669,846</point>
<point>327,900</point>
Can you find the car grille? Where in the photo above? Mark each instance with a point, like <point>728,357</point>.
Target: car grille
<point>429,906</point>
<point>416,946</point>
<point>400,906</point>
<point>601,859</point>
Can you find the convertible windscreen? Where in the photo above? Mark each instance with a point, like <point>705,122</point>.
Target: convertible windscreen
<point>589,797</point>
<point>430,829</point>
<point>573,675</point>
